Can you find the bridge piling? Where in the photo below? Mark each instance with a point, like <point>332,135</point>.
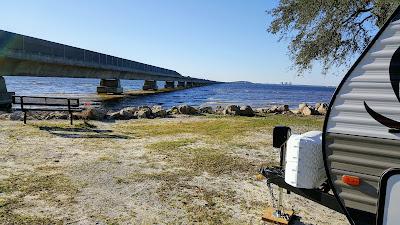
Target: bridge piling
<point>5,96</point>
<point>150,85</point>
<point>110,86</point>
<point>169,84</point>
<point>181,84</point>
<point>189,84</point>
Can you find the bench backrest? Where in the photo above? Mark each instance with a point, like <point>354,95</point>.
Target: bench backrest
<point>45,101</point>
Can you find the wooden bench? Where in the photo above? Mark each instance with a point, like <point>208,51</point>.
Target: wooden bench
<point>29,103</point>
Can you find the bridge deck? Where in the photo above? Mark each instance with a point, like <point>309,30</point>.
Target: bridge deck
<point>21,55</point>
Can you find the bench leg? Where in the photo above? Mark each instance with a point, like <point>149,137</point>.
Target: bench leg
<point>24,117</point>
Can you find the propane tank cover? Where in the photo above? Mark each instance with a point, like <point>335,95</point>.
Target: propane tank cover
<point>304,161</point>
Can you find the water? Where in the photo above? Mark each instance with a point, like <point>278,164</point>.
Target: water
<point>241,93</point>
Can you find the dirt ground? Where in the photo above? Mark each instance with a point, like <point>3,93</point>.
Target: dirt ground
<point>187,170</point>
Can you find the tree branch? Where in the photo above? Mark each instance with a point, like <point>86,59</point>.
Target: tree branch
<point>356,14</point>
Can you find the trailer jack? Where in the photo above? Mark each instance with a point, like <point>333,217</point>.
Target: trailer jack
<point>276,214</point>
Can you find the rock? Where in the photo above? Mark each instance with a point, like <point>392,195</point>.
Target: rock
<point>323,108</point>
<point>188,110</point>
<point>125,113</point>
<point>295,111</point>
<point>158,111</point>
<point>173,110</point>
<point>287,113</point>
<point>17,116</point>
<point>282,108</point>
<point>317,105</point>
<point>232,110</point>
<point>144,113</point>
<point>206,109</point>
<point>272,109</point>
<point>308,111</point>
<point>302,105</point>
<point>219,110</point>
<point>114,115</point>
<point>246,111</point>
<point>93,113</point>
<point>5,116</point>
<point>261,110</point>
<point>145,107</point>
<point>56,116</point>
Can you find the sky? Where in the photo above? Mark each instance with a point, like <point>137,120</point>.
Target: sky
<point>224,40</point>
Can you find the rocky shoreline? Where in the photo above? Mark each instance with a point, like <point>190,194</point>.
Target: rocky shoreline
<point>157,111</point>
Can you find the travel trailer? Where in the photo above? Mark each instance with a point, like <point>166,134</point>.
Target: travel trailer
<point>360,142</point>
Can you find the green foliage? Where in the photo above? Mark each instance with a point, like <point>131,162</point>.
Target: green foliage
<point>329,31</point>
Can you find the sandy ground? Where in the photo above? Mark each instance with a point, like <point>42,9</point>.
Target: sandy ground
<point>195,170</point>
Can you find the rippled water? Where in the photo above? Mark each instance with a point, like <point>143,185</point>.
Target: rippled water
<point>255,95</point>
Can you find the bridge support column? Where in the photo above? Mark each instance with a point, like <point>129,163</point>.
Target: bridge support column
<point>169,84</point>
<point>181,84</point>
<point>110,86</point>
<point>5,96</point>
<point>150,85</point>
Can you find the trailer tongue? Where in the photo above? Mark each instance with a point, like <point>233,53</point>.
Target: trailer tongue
<point>301,171</point>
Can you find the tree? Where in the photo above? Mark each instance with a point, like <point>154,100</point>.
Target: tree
<point>328,31</point>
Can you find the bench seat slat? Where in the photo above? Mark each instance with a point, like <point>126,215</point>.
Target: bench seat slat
<point>40,104</point>
<point>49,110</point>
<point>49,101</point>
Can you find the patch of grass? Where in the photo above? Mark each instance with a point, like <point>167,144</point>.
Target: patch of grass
<point>18,131</point>
<point>48,187</point>
<point>44,168</point>
<point>173,185</point>
<point>7,216</point>
<point>199,159</point>
<point>218,129</point>
<point>210,213</point>
<point>121,180</point>
<point>168,146</point>
<point>169,181</point>
<point>109,158</point>
<point>255,144</point>
<point>161,176</point>
<point>215,162</point>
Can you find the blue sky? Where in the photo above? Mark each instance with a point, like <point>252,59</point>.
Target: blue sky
<point>221,40</point>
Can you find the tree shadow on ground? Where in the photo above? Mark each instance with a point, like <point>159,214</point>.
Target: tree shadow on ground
<point>85,132</point>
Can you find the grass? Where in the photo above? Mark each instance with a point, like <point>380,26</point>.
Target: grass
<point>199,159</point>
<point>166,147</point>
<point>109,158</point>
<point>218,128</point>
<point>209,213</point>
<point>46,186</point>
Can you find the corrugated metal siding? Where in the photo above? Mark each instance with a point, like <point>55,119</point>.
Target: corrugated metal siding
<point>364,157</point>
<point>356,144</point>
<point>368,82</point>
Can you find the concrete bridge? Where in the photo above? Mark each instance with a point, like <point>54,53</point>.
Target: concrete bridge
<point>21,55</point>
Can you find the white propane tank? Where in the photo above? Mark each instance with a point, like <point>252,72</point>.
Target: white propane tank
<point>304,161</point>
